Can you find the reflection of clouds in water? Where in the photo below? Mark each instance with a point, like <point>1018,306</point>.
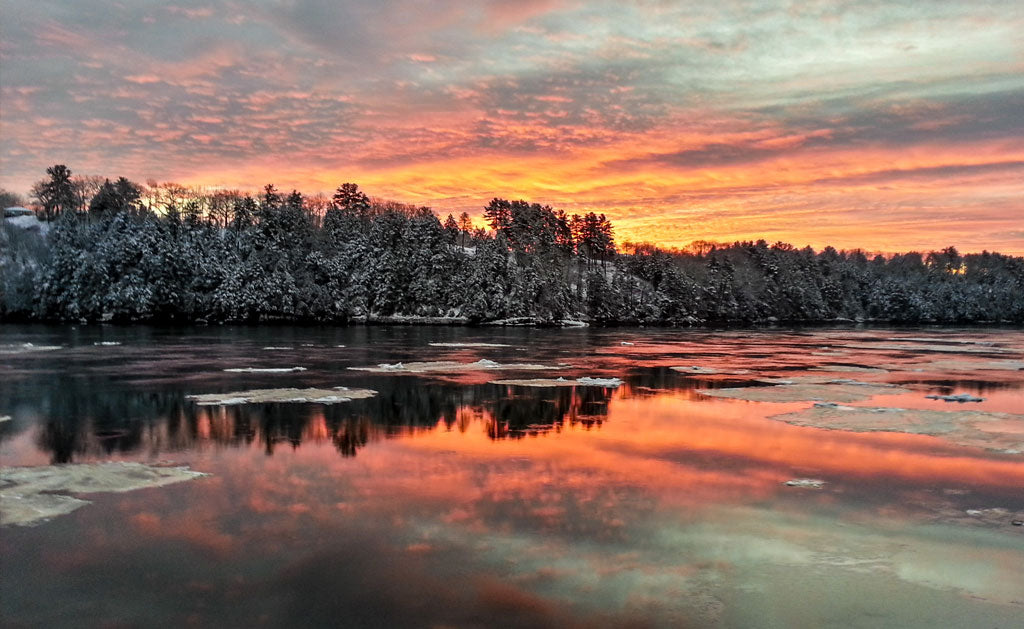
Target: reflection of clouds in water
<point>732,550</point>
<point>649,502</point>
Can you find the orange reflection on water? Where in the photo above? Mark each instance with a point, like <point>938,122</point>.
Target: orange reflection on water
<point>670,441</point>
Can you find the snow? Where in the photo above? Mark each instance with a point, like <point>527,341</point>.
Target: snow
<point>264,369</point>
<point>528,321</point>
<point>28,222</point>
<point>289,395</point>
<point>573,323</point>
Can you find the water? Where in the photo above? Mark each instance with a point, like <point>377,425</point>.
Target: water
<point>446,501</point>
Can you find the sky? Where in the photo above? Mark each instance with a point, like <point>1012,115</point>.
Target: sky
<point>886,125</point>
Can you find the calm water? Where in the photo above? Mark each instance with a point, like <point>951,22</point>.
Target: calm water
<point>446,501</point>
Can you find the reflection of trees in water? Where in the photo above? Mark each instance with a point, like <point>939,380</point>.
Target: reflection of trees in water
<point>525,411</point>
<point>84,421</point>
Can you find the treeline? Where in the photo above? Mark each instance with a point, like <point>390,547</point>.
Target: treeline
<point>286,257</point>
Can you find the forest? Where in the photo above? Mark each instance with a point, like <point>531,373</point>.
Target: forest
<point>120,251</point>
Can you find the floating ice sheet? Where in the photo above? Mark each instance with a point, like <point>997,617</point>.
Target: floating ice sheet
<point>469,345</point>
<point>30,495</point>
<point>807,389</point>
<point>806,483</point>
<point>259,396</point>
<point>698,369</point>
<point>960,365</point>
<point>960,397</point>
<point>26,348</point>
<point>561,382</point>
<point>933,347</point>
<point>264,369</point>
<point>994,431</point>
<point>940,340</point>
<point>5,418</point>
<point>848,369</point>
<point>450,366</point>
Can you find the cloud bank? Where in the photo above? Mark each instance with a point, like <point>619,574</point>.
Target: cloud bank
<point>888,125</point>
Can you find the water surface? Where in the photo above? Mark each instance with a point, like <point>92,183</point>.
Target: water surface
<point>447,501</point>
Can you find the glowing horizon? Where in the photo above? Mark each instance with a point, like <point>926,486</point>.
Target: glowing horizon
<point>887,128</point>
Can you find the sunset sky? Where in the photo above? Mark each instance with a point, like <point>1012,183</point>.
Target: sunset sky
<point>888,125</point>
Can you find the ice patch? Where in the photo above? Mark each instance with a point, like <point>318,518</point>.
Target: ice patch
<point>962,397</point>
<point>561,382</point>
<point>31,495</point>
<point>809,483</point>
<point>938,348</point>
<point>264,369</point>
<point>469,345</point>
<point>1003,432</point>
<point>24,348</point>
<point>290,395</point>
<point>961,365</point>
<point>847,369</point>
<point>694,369</point>
<point>448,366</point>
<point>806,389</point>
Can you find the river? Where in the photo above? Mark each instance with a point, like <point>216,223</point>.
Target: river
<point>648,496</point>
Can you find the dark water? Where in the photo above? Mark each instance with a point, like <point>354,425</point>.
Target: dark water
<point>446,501</point>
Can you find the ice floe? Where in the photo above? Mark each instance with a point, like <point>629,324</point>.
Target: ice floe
<point>933,340</point>
<point>276,348</point>
<point>960,365</point>
<point>292,395</point>
<point>469,345</point>
<point>1003,432</point>
<point>30,495</point>
<point>561,382</point>
<point>961,397</point>
<point>808,483</point>
<point>695,369</point>
<point>988,517</point>
<point>107,343</point>
<point>25,348</point>
<point>5,418</point>
<point>847,368</point>
<point>264,369</point>
<point>807,389</point>
<point>932,347</point>
<point>449,366</point>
